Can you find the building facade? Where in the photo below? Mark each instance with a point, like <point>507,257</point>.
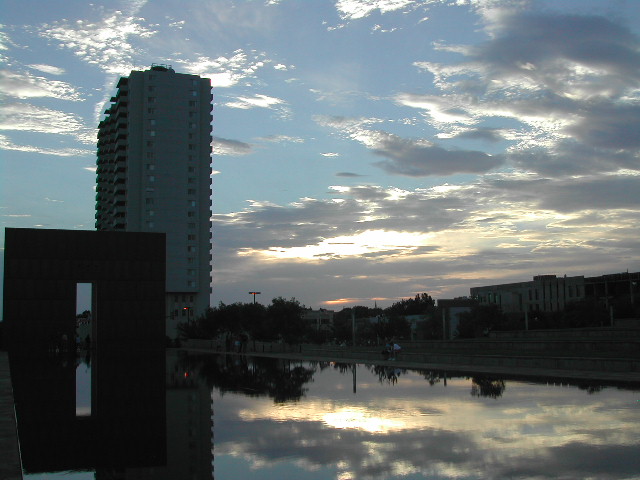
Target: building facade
<point>319,319</point>
<point>154,175</point>
<point>549,293</point>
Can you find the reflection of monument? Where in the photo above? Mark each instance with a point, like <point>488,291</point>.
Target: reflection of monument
<point>126,427</point>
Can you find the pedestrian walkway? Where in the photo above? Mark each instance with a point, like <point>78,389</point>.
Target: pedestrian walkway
<point>10,467</point>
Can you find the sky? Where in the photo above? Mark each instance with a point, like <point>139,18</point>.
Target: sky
<point>364,151</point>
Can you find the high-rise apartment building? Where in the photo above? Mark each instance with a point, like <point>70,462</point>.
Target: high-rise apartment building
<point>154,175</point>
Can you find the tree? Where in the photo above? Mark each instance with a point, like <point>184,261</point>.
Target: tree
<point>479,320</point>
<point>421,304</point>
<point>284,318</point>
<point>395,326</point>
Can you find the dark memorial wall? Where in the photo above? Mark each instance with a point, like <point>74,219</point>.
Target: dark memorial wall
<point>127,423</point>
<point>43,268</point>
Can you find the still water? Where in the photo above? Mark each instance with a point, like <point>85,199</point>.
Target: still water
<point>228,417</point>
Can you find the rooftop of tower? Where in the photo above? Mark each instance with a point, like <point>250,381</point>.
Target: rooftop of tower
<point>160,67</point>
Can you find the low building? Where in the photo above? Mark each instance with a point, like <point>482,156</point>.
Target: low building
<point>549,293</point>
<point>451,310</point>
<point>320,319</point>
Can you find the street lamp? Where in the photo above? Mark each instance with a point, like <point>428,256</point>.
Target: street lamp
<point>254,296</point>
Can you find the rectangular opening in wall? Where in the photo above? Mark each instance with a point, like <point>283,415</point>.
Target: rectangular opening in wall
<point>84,313</point>
<point>82,341</point>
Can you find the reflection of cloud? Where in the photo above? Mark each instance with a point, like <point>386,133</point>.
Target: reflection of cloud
<point>384,432</point>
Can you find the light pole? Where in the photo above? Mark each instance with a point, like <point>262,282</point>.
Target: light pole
<point>254,296</point>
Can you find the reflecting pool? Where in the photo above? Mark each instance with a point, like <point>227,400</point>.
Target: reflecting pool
<point>231,417</point>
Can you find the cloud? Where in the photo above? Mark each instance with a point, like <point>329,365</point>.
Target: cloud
<point>282,139</point>
<point>22,86</point>
<point>569,81</point>
<point>27,117</point>
<point>496,229</point>
<point>570,157</point>
<point>348,175</point>
<point>224,146</point>
<point>257,100</point>
<point>412,157</point>
<point>577,56</point>
<point>106,43</point>
<point>226,71</point>
<point>357,9</point>
<point>50,69</point>
<point>7,144</point>
<point>416,159</point>
<point>599,193</point>
<point>481,133</point>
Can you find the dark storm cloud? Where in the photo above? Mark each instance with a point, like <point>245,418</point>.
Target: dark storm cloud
<point>414,159</point>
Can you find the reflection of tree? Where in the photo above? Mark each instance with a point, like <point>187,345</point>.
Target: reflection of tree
<point>590,388</point>
<point>387,374</point>
<point>343,367</point>
<point>431,377</point>
<point>279,379</point>
<point>487,387</point>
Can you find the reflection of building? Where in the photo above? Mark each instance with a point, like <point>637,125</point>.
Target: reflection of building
<point>154,175</point>
<point>548,293</point>
<point>189,424</point>
<point>320,319</point>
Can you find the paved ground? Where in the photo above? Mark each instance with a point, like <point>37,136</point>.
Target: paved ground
<point>10,466</point>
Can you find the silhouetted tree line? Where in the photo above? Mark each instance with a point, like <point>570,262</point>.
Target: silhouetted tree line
<point>283,320</point>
